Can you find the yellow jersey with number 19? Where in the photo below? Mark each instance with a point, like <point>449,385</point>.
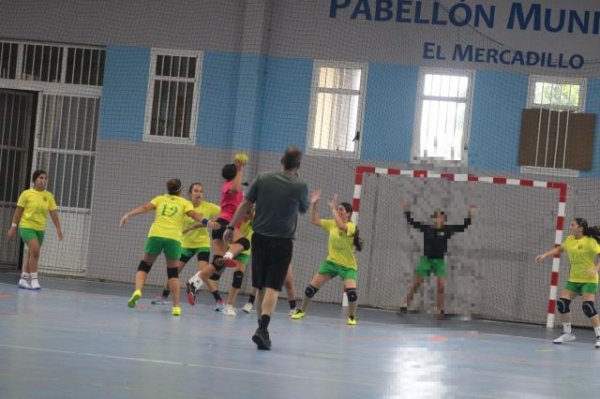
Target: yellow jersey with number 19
<point>170,213</point>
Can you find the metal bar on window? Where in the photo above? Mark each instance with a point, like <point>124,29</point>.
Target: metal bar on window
<point>537,142</point>
<point>566,136</point>
<point>557,134</point>
<point>547,139</point>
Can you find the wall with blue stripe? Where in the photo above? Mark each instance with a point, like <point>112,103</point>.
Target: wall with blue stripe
<point>261,103</point>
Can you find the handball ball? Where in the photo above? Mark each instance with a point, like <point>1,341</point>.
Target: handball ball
<point>241,157</point>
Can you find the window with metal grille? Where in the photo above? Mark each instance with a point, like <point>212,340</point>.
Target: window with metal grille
<point>556,93</point>
<point>66,147</point>
<point>172,102</point>
<point>336,108</point>
<point>42,62</point>
<point>443,115</point>
<point>85,66</point>
<point>8,60</point>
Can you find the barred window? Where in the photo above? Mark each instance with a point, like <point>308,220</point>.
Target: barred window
<point>172,102</point>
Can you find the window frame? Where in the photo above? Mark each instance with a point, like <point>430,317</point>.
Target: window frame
<point>315,90</point>
<point>154,53</point>
<point>416,145</point>
<point>533,79</point>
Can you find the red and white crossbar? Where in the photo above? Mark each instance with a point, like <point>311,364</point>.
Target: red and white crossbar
<point>458,177</point>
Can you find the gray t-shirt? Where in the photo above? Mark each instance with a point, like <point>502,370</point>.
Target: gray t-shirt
<point>278,196</point>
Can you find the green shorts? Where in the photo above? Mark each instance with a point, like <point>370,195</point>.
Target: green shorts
<point>427,266</point>
<point>333,269</point>
<point>582,288</point>
<point>156,245</point>
<point>243,259</point>
<point>190,252</point>
<point>27,235</point>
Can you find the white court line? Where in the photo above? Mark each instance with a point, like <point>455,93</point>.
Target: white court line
<point>170,363</point>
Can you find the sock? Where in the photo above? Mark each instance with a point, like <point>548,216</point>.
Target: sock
<point>216,296</point>
<point>251,299</point>
<point>567,328</point>
<point>293,304</point>
<point>597,331</point>
<point>228,255</point>
<point>34,276</point>
<point>166,293</point>
<point>25,276</point>
<point>264,321</point>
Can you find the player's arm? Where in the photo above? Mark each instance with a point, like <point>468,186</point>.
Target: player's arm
<point>236,183</point>
<point>12,232</point>
<point>56,221</point>
<point>314,212</point>
<point>336,217</point>
<point>552,252</point>
<point>148,207</point>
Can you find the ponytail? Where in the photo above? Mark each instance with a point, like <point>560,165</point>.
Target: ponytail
<point>593,231</point>
<point>358,244</point>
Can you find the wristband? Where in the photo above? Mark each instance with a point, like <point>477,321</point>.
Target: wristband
<point>13,225</point>
<point>205,221</point>
<point>230,228</point>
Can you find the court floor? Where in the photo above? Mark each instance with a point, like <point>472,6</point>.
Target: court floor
<point>78,339</point>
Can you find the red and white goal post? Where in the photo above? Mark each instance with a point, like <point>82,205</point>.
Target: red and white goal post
<point>562,188</point>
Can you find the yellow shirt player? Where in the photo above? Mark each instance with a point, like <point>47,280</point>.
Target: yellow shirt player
<point>583,249</point>
<point>343,236</point>
<point>195,239</point>
<point>30,217</point>
<point>164,236</point>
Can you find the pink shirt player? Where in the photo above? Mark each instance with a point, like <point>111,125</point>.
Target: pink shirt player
<point>229,201</point>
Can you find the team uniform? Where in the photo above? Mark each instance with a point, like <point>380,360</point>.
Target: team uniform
<point>246,232</point>
<point>36,205</point>
<point>581,253</point>
<point>165,233</point>
<point>197,241</point>
<point>340,259</point>
<point>229,203</point>
<point>435,245</point>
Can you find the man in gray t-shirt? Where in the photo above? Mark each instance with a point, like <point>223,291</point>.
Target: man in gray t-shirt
<point>279,197</point>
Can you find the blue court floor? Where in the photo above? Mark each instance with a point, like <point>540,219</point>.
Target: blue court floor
<point>77,339</point>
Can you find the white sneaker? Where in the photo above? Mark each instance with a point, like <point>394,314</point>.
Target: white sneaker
<point>248,307</point>
<point>24,284</point>
<point>35,284</point>
<point>567,338</point>
<point>229,310</point>
<point>292,311</point>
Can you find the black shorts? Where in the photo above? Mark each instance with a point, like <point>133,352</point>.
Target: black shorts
<point>271,257</point>
<point>218,233</point>
<point>203,256</point>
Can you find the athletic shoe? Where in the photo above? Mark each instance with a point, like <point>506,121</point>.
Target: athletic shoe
<point>190,292</point>
<point>35,284</point>
<point>230,262</point>
<point>248,307</point>
<point>597,343</point>
<point>176,311</point>
<point>24,284</point>
<point>229,310</point>
<point>261,339</point>
<point>292,312</point>
<point>567,338</point>
<point>298,315</point>
<point>135,297</point>
<point>351,320</point>
<point>159,300</point>
<point>219,306</point>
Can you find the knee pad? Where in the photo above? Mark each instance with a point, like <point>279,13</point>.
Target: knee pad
<point>184,259</point>
<point>218,263</point>
<point>244,243</point>
<point>215,277</point>
<point>310,291</point>
<point>172,272</point>
<point>144,267</point>
<point>238,277</point>
<point>563,305</point>
<point>352,296</point>
<point>589,309</point>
